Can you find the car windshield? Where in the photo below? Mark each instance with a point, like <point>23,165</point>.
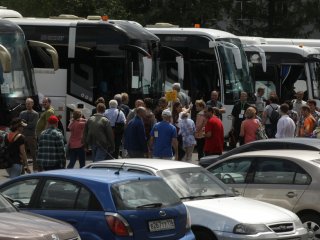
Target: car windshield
<point>5,206</point>
<point>143,194</point>
<point>194,183</point>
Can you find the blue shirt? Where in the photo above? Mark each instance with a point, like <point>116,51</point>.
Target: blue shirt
<point>135,136</point>
<point>112,115</point>
<point>162,144</point>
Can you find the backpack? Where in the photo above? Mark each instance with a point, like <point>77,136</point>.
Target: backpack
<point>274,116</point>
<point>4,151</point>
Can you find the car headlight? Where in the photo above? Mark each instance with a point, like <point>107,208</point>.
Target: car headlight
<point>250,229</point>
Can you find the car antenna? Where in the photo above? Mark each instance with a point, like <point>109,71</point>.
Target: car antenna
<point>118,171</point>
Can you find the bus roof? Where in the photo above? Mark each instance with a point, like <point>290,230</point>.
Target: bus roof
<point>211,33</point>
<point>132,29</point>
<point>8,13</point>
<point>252,40</point>
<point>294,41</point>
<point>302,51</point>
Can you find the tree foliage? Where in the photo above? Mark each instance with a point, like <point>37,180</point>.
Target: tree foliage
<point>267,18</point>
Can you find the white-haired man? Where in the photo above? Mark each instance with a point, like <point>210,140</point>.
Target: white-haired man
<point>117,121</point>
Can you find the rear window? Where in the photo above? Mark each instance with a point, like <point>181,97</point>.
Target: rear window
<point>143,194</point>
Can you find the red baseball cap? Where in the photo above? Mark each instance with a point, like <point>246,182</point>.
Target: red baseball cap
<point>53,119</point>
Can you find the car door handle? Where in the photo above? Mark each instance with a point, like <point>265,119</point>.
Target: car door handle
<point>291,194</point>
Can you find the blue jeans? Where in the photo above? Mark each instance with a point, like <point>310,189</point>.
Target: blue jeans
<point>75,153</point>
<point>14,170</point>
<point>99,154</point>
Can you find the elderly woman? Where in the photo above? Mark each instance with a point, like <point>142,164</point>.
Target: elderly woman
<point>249,126</point>
<point>201,121</point>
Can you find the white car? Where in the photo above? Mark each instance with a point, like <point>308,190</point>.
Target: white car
<point>216,213</point>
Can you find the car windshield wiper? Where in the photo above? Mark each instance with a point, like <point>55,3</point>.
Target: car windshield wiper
<point>204,196</point>
<point>150,205</point>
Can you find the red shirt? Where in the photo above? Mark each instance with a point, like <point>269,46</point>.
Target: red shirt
<point>76,128</point>
<point>214,144</point>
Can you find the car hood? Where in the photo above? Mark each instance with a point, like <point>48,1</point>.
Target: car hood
<point>230,211</point>
<point>18,225</point>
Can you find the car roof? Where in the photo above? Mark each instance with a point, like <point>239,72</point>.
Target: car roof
<point>155,164</point>
<point>96,175</point>
<point>315,142</point>
<point>306,155</point>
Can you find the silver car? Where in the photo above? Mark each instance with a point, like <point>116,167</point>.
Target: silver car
<point>286,178</point>
<point>216,213</point>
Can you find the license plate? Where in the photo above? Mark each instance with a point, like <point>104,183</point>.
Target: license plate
<point>160,225</point>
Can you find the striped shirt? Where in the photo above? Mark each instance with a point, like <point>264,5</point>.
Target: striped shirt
<point>51,151</point>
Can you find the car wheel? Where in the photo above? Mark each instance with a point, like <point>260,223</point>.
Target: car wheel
<point>312,223</point>
<point>203,235</point>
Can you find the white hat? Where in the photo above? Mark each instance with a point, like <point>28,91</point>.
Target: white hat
<point>166,113</point>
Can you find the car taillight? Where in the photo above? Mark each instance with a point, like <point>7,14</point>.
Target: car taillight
<point>118,225</point>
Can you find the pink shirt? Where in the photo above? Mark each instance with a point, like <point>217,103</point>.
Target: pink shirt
<point>200,124</point>
<point>76,128</point>
<point>248,130</point>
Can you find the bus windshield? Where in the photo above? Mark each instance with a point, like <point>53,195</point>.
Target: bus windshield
<point>17,83</point>
<point>235,80</point>
<point>314,68</point>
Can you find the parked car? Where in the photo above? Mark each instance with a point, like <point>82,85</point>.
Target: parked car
<point>104,205</point>
<point>216,213</point>
<point>18,225</point>
<point>287,178</point>
<point>266,144</point>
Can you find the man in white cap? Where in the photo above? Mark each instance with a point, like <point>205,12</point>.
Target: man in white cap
<point>163,137</point>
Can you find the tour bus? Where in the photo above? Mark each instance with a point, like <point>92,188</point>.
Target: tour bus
<point>289,69</point>
<point>98,58</point>
<point>315,43</point>
<point>16,71</point>
<point>213,60</point>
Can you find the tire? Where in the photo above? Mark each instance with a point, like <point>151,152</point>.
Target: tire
<point>311,222</point>
<point>203,235</point>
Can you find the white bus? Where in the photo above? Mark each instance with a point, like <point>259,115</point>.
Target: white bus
<point>97,59</point>
<point>289,69</point>
<point>213,60</point>
<point>16,71</point>
<point>315,43</point>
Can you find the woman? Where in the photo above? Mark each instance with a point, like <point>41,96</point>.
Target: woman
<point>201,121</point>
<point>187,131</point>
<point>176,113</point>
<point>249,126</point>
<point>16,148</point>
<point>76,148</point>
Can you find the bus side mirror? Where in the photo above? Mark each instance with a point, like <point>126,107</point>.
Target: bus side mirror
<point>180,63</point>
<point>5,58</point>
<point>49,49</point>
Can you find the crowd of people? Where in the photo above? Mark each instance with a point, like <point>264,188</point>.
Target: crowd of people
<point>166,131</point>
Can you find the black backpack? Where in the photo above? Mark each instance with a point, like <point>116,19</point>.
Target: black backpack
<point>274,116</point>
<point>4,151</point>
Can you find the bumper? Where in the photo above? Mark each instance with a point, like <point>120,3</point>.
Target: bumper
<point>299,234</point>
<point>189,236</point>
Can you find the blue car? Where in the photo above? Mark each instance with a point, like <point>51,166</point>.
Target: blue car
<point>119,205</point>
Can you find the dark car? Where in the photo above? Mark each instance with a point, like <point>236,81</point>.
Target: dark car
<point>266,144</point>
<point>100,205</point>
<point>18,225</point>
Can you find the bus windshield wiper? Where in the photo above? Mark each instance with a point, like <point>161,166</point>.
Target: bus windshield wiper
<point>150,205</point>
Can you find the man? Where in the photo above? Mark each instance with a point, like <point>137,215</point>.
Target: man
<point>214,133</point>
<point>286,126</point>
<point>48,112</point>
<point>135,141</point>
<point>308,124</point>
<point>98,135</point>
<point>162,105</point>
<point>215,103</point>
<point>238,115</point>
<point>260,101</point>
<point>138,103</point>
<point>117,121</point>
<point>123,107</point>
<point>51,151</point>
<point>31,117</point>
<point>163,138</point>
<point>298,102</point>
<point>184,98</point>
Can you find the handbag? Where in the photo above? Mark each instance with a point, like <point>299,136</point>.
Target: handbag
<point>5,156</point>
<point>261,132</point>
